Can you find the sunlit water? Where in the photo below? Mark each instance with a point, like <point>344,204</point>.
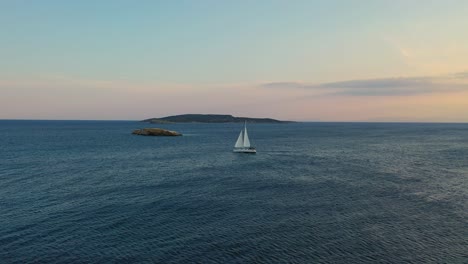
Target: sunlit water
<point>90,192</point>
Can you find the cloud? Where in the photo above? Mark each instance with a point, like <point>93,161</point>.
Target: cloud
<point>401,86</point>
<point>461,75</point>
<point>380,83</point>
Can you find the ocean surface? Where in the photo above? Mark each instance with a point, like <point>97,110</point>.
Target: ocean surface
<point>90,192</point>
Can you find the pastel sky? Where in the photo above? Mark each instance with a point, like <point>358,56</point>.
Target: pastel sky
<point>305,60</point>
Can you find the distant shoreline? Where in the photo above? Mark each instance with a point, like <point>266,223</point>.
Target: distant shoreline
<point>210,118</point>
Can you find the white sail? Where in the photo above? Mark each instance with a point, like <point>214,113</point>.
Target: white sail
<point>243,142</point>
<point>240,141</point>
<point>246,138</point>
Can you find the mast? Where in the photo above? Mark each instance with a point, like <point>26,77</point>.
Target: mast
<point>246,136</point>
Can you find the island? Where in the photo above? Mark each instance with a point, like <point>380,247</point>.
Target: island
<point>156,132</point>
<point>203,118</point>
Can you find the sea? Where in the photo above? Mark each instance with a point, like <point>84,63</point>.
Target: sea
<point>91,192</point>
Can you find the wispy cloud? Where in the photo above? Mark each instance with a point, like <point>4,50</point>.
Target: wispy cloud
<point>461,75</point>
<point>400,86</point>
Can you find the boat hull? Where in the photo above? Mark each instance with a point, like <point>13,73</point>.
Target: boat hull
<point>245,150</point>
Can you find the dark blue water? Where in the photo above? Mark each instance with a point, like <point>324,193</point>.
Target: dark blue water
<point>90,192</point>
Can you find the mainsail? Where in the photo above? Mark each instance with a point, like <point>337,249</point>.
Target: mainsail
<point>246,138</point>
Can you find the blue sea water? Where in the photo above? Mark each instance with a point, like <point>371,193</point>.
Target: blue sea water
<point>90,192</point>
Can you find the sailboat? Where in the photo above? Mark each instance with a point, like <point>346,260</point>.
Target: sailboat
<point>243,142</point>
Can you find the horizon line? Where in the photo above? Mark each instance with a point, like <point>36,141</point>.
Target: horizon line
<point>293,121</point>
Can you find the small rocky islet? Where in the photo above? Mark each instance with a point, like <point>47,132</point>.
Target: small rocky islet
<point>156,132</point>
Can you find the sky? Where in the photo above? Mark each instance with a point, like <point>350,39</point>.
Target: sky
<point>376,61</point>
